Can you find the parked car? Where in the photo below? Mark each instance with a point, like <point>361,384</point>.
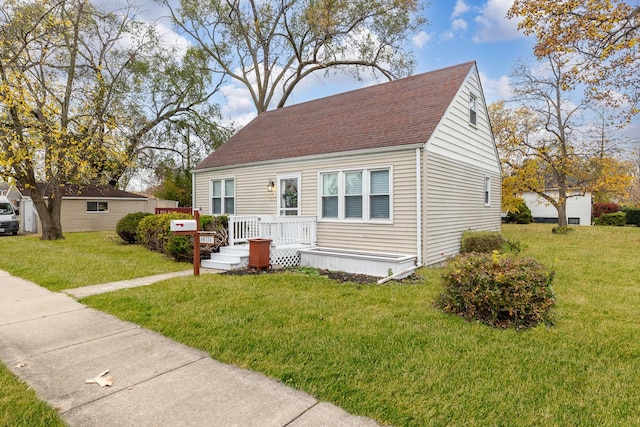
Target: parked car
<point>8,221</point>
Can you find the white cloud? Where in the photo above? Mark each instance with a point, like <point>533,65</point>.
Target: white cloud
<point>238,107</point>
<point>493,24</point>
<point>460,9</point>
<point>496,89</point>
<point>446,36</point>
<point>421,39</point>
<point>459,25</point>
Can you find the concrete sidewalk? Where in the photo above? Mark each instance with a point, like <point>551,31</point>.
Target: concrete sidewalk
<point>53,343</point>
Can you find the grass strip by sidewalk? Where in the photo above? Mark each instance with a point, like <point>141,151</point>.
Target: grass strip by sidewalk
<point>81,259</point>
<point>19,405</point>
<point>384,352</point>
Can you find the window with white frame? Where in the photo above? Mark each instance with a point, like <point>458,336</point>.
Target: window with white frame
<point>472,110</point>
<point>223,196</point>
<point>95,206</point>
<point>363,194</point>
<point>487,191</point>
<point>289,189</point>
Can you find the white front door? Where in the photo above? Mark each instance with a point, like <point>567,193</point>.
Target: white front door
<point>288,194</point>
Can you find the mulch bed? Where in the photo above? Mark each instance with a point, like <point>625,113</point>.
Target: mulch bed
<point>340,276</point>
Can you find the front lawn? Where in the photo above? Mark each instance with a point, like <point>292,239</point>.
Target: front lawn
<point>81,259</point>
<point>384,352</point>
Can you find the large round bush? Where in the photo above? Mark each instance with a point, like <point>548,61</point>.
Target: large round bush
<point>127,227</point>
<point>498,290</point>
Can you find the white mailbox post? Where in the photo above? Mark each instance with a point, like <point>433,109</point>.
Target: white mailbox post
<point>189,227</point>
<point>184,225</point>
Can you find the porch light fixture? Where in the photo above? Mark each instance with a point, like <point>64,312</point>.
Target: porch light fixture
<point>271,186</point>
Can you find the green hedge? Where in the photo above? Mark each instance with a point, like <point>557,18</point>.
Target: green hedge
<point>633,215</point>
<point>154,232</point>
<point>615,219</point>
<point>127,227</point>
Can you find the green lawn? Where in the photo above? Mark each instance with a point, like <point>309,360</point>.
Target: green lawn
<point>381,350</point>
<point>80,259</point>
<point>19,405</point>
<point>384,352</point>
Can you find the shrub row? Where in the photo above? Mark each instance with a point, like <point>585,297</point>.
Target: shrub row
<point>633,215</point>
<point>153,231</point>
<point>616,219</point>
<point>486,242</point>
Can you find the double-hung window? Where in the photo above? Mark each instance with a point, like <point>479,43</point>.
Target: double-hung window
<point>363,194</point>
<point>223,196</point>
<point>473,115</point>
<point>97,206</point>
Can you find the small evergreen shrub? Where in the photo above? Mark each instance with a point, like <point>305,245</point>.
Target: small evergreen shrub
<point>615,219</point>
<point>600,209</point>
<point>633,215</point>
<point>128,225</point>
<point>481,241</point>
<point>498,290</point>
<point>561,230</point>
<point>520,215</point>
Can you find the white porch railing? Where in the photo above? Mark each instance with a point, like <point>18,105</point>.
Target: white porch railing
<point>282,230</point>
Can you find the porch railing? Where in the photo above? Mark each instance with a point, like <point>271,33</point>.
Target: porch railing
<point>282,230</point>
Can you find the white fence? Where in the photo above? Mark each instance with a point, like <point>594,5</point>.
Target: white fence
<point>282,230</point>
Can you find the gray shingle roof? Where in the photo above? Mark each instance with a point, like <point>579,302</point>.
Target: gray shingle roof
<point>400,112</point>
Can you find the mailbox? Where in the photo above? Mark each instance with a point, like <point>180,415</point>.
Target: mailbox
<point>184,225</point>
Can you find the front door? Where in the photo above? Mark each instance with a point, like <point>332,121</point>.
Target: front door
<point>288,194</point>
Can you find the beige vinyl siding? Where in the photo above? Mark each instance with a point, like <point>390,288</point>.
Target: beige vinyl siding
<point>74,215</point>
<point>457,139</point>
<point>252,197</point>
<point>454,202</point>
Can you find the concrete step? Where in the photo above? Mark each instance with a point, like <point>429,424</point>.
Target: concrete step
<point>228,258</point>
<point>235,250</point>
<point>220,265</point>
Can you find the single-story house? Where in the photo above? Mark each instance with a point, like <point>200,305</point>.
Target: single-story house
<point>88,208</point>
<point>578,208</point>
<point>398,169</point>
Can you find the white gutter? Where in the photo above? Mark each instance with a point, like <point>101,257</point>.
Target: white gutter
<point>418,207</point>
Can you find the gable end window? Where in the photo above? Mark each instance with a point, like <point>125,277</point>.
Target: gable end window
<point>98,207</point>
<point>223,193</point>
<point>472,110</point>
<point>487,191</point>
<point>356,195</point>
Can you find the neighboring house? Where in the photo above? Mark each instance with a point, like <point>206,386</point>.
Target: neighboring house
<point>578,208</point>
<point>89,208</point>
<point>402,167</point>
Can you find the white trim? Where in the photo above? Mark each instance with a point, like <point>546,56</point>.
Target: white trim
<point>340,154</point>
<point>281,176</point>
<point>366,195</point>
<point>222,179</point>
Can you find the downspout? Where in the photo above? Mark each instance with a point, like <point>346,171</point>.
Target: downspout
<point>418,207</point>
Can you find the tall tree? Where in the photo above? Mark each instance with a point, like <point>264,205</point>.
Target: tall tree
<point>271,46</point>
<point>602,37</point>
<point>80,90</point>
<point>542,144</point>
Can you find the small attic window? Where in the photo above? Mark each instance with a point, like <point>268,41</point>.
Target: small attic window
<point>472,110</point>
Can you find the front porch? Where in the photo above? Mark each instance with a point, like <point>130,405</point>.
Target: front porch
<point>287,235</point>
<point>294,243</point>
